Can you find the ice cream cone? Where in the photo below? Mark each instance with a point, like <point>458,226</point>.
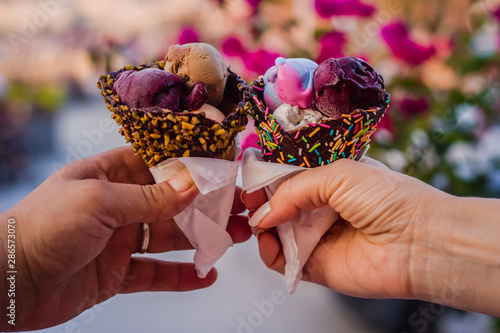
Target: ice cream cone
<point>157,134</point>
<point>318,144</point>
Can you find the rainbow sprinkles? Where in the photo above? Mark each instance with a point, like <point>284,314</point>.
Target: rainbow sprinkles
<point>317,144</point>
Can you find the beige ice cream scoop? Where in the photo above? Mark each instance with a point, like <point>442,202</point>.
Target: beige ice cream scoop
<point>195,62</point>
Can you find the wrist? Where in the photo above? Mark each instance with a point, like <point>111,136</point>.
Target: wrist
<point>455,257</point>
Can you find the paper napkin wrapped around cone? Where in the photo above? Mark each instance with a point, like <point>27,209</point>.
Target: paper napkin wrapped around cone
<point>204,223</point>
<point>299,236</point>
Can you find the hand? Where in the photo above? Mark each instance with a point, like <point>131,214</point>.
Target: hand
<point>368,251</point>
<point>77,232</point>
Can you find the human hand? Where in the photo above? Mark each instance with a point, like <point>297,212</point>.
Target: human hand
<point>76,234</point>
<point>368,251</point>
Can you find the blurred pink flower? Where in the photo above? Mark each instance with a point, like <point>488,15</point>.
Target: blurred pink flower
<point>249,141</point>
<point>329,8</point>
<point>385,129</point>
<point>496,13</point>
<point>257,61</point>
<point>188,35</point>
<point>331,45</point>
<point>232,47</point>
<point>260,61</point>
<point>397,38</point>
<point>413,106</point>
<point>253,3</point>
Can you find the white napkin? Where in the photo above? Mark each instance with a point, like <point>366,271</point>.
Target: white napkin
<point>205,220</point>
<point>299,236</point>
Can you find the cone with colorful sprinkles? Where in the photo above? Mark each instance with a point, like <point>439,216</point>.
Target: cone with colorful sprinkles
<point>317,144</point>
<point>329,110</point>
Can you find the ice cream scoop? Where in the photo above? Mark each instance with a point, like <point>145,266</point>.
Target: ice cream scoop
<point>290,117</point>
<point>199,62</point>
<point>152,87</point>
<point>350,100</point>
<point>211,112</point>
<point>290,81</point>
<point>346,84</point>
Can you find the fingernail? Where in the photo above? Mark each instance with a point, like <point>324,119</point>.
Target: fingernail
<point>260,232</point>
<point>182,181</point>
<point>259,214</point>
<point>241,197</point>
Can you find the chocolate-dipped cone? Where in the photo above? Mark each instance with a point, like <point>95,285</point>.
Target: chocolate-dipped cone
<point>317,144</point>
<point>158,134</point>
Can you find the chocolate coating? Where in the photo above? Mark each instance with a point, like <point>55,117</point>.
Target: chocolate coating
<point>157,134</point>
<point>346,136</point>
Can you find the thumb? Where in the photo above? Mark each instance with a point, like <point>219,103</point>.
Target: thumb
<point>150,203</point>
<point>330,185</point>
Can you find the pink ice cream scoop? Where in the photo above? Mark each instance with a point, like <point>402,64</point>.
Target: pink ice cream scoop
<point>290,81</point>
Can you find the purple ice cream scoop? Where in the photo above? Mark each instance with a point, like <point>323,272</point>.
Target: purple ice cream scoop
<point>290,81</point>
<point>346,84</point>
<point>153,87</point>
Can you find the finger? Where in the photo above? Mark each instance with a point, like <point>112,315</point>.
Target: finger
<point>167,236</point>
<point>270,252</point>
<point>238,204</point>
<point>238,229</point>
<point>375,163</point>
<point>127,203</point>
<point>147,274</point>
<point>164,237</point>
<point>119,165</point>
<point>255,199</point>
<point>312,189</point>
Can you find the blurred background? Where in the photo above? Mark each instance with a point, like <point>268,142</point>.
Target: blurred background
<point>440,61</point>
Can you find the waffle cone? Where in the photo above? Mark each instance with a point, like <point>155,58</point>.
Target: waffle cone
<point>317,144</point>
<point>158,134</point>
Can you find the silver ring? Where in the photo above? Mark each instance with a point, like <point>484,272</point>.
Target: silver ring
<point>145,238</point>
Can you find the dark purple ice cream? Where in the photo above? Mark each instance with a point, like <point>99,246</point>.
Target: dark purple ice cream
<point>345,84</point>
<point>153,87</point>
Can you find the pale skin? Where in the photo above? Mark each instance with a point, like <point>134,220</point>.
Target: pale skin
<point>397,237</point>
<point>77,232</point>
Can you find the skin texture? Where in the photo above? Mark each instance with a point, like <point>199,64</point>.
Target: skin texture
<point>397,237</point>
<point>76,234</point>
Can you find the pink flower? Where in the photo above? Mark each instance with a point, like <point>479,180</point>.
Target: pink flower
<point>385,129</point>
<point>256,61</point>
<point>253,3</point>
<point>397,38</point>
<point>496,13</point>
<point>413,106</point>
<point>188,35</point>
<point>260,61</point>
<point>331,45</point>
<point>329,8</point>
<point>232,47</point>
<point>249,141</point>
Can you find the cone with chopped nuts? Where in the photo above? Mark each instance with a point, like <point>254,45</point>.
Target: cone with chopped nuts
<point>162,117</point>
<point>186,111</point>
